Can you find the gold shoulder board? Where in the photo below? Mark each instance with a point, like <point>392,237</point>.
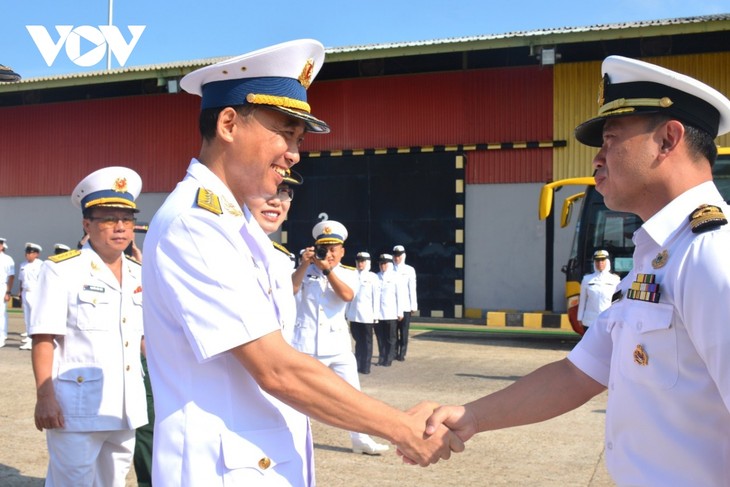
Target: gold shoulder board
<point>706,217</point>
<point>348,267</point>
<point>281,248</point>
<point>209,201</point>
<point>70,254</point>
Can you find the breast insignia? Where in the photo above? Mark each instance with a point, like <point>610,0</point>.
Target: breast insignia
<point>209,201</point>
<point>64,256</point>
<point>706,217</point>
<point>281,248</point>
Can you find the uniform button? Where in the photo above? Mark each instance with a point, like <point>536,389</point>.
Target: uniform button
<point>128,367</point>
<point>94,301</point>
<point>126,344</point>
<point>124,320</point>
<point>609,445</point>
<point>79,379</point>
<point>265,463</point>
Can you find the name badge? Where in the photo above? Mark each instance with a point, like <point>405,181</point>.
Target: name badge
<point>96,289</point>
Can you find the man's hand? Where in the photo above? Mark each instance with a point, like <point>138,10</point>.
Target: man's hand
<point>458,419</point>
<point>48,414</point>
<point>434,446</point>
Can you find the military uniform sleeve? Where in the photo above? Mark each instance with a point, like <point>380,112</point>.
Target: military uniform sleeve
<point>213,285</point>
<point>51,311</point>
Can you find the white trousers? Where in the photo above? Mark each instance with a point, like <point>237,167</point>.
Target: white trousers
<point>344,365</point>
<point>3,321</point>
<point>89,458</point>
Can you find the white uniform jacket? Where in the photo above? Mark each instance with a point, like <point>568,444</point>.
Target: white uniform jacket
<point>393,296</point>
<point>321,329</point>
<point>409,276</point>
<point>667,364</point>
<point>283,289</point>
<point>206,265</point>
<point>28,275</point>
<point>97,373</point>
<point>596,290</point>
<point>362,309</point>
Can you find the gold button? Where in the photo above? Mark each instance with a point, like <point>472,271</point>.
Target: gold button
<point>79,379</point>
<point>126,344</point>
<point>265,463</point>
<point>124,320</point>
<point>128,367</point>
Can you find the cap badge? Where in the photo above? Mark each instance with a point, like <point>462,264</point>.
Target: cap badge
<point>660,260</point>
<point>327,230</point>
<point>601,87</point>
<point>640,356</point>
<point>306,77</point>
<point>120,185</point>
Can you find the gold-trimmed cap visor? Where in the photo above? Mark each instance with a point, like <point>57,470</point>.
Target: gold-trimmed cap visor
<point>631,87</point>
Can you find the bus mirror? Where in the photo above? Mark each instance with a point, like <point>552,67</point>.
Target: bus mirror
<point>568,208</point>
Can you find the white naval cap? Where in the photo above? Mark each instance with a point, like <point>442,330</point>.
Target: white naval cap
<point>399,249</point>
<point>600,255</point>
<point>385,258</point>
<point>362,256</point>
<point>60,248</point>
<point>276,76</point>
<point>115,187</point>
<point>4,241</point>
<point>632,87</point>
<point>32,247</point>
<point>329,232</point>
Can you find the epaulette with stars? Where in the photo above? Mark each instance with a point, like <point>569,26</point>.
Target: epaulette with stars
<point>70,254</point>
<point>281,248</point>
<point>706,217</point>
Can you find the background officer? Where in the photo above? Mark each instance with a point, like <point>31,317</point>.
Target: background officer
<point>403,326</point>
<point>321,330</point>
<point>28,277</point>
<point>87,332</point>
<point>361,312</point>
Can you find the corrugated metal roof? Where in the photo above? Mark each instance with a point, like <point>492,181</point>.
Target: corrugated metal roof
<point>393,49</point>
<point>534,33</point>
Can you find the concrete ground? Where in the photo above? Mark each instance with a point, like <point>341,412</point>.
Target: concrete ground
<point>443,365</point>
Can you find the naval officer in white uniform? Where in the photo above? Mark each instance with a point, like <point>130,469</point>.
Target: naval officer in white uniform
<point>230,394</point>
<point>87,331</point>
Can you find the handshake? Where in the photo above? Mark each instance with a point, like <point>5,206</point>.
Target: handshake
<point>442,430</point>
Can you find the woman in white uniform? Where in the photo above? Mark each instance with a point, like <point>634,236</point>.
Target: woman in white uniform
<point>596,289</point>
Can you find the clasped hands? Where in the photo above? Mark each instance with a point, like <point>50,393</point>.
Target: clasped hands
<point>444,430</point>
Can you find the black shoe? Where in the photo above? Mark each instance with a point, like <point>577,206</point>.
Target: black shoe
<point>386,364</point>
<point>400,358</point>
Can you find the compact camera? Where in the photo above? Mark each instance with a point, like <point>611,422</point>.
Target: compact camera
<point>320,252</point>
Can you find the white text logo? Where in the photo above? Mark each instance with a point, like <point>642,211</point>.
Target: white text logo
<point>71,38</point>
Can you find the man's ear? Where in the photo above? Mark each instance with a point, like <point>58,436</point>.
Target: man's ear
<point>226,124</point>
<point>672,134</point>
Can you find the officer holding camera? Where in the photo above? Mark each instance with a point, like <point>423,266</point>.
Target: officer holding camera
<point>321,330</point>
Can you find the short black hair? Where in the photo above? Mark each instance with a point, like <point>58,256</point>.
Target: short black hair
<point>208,119</point>
<point>699,143</point>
